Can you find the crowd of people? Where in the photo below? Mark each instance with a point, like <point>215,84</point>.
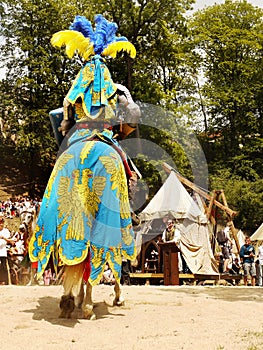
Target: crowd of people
<point>13,244</point>
<point>13,253</point>
<point>246,263</point>
<point>12,207</point>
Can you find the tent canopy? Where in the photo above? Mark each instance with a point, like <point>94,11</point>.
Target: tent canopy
<point>258,235</point>
<point>173,200</point>
<point>241,241</point>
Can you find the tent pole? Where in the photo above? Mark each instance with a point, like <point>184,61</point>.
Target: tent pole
<point>188,183</point>
<point>210,207</point>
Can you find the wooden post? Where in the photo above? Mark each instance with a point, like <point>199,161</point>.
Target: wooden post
<point>143,257</point>
<point>170,263</point>
<point>188,183</point>
<point>232,227</point>
<point>210,207</point>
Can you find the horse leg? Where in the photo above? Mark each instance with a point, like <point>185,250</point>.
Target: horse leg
<point>119,300</point>
<point>33,279</point>
<point>87,306</point>
<point>80,297</point>
<point>67,306</point>
<point>72,289</point>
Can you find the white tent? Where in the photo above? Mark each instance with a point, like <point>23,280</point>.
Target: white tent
<point>258,235</point>
<point>172,200</point>
<point>241,240</point>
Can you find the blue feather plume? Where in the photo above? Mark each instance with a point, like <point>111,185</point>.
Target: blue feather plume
<point>82,25</point>
<point>101,36</point>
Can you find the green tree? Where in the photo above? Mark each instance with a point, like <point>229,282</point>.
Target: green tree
<point>243,196</point>
<point>37,78</point>
<point>228,40</point>
<point>159,75</point>
<point>157,34</point>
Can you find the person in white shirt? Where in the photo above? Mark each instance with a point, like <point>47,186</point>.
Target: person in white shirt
<point>226,250</point>
<point>4,240</point>
<point>260,265</point>
<point>171,233</point>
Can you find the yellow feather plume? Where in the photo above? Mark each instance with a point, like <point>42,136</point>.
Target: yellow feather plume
<point>118,46</point>
<point>74,41</point>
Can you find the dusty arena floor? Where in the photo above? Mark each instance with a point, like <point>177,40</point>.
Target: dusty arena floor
<point>185,317</point>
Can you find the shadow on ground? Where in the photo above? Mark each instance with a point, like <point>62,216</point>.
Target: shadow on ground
<point>48,310</point>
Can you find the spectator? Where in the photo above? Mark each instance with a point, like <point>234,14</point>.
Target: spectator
<point>260,266</point>
<point>107,277</point>
<point>47,277</point>
<point>8,211</point>
<point>223,239</point>
<point>247,254</point>
<point>19,248</point>
<point>235,269</point>
<point>171,233</point>
<point>13,210</point>
<point>4,240</point>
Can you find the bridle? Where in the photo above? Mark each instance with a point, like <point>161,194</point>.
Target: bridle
<point>25,223</point>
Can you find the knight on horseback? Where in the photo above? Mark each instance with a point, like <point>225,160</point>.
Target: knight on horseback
<point>85,220</point>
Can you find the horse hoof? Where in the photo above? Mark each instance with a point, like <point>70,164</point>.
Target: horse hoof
<point>88,313</point>
<point>67,306</point>
<point>119,302</point>
<point>89,316</point>
<point>92,317</point>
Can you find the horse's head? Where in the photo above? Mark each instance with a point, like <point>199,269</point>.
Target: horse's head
<point>27,220</point>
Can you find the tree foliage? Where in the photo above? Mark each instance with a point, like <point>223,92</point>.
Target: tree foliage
<point>203,72</point>
<point>39,76</point>
<point>37,79</point>
<point>228,39</point>
<point>243,196</point>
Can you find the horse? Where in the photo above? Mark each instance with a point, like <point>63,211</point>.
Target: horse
<point>84,220</point>
<point>28,218</point>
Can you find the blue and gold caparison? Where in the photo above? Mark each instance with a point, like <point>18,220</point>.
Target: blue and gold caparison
<point>85,206</point>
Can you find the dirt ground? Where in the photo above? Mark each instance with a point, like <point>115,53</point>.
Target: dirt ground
<point>154,317</point>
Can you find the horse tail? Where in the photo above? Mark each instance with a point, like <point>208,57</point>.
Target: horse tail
<point>73,279</point>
